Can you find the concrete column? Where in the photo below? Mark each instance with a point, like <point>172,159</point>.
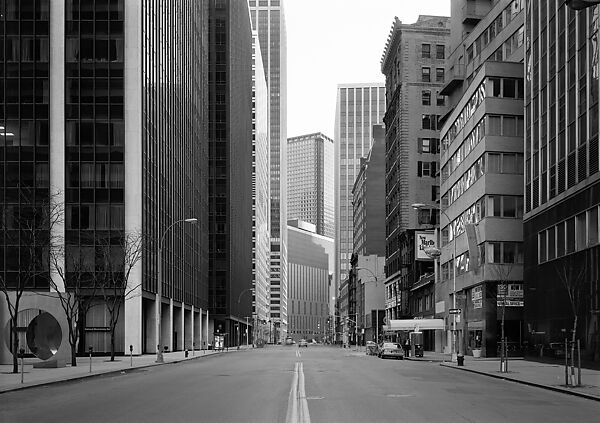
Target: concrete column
<point>170,326</point>
<point>57,125</point>
<point>198,330</point>
<point>151,340</point>
<point>207,333</point>
<point>193,328</point>
<point>186,328</point>
<point>133,162</point>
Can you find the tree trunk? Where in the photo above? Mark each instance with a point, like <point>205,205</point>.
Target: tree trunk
<point>15,345</point>
<point>573,351</point>
<point>112,344</point>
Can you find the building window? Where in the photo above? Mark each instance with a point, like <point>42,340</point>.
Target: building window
<point>426,74</point>
<point>426,51</point>
<point>439,74</point>
<point>440,100</point>
<point>425,145</point>
<point>426,168</point>
<point>440,51</point>
<point>426,98</point>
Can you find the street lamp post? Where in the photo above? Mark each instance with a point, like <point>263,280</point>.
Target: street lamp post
<point>418,206</point>
<point>159,353</point>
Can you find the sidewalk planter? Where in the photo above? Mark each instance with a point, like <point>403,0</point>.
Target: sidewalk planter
<point>476,353</point>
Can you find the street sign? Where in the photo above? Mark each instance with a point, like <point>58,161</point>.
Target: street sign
<point>454,310</point>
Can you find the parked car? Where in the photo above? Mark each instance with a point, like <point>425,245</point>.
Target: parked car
<point>289,340</point>
<point>390,349</point>
<point>557,350</point>
<point>303,343</point>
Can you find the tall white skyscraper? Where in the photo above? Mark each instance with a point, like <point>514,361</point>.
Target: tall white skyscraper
<point>261,206</point>
<point>358,108</point>
<point>268,18</point>
<point>311,189</point>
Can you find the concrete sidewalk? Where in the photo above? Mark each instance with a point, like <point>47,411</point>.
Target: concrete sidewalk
<point>543,375</point>
<point>100,366</point>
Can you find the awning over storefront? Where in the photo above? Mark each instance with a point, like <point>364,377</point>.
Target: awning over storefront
<point>414,325</point>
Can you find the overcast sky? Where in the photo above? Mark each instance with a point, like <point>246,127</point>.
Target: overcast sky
<point>338,41</point>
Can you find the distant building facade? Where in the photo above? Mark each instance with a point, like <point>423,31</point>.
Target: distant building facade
<point>268,18</point>
<point>310,279</point>
<point>413,63</point>
<point>358,108</point>
<point>311,182</point>
<point>368,259</point>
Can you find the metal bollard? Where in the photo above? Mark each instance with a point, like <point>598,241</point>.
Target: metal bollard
<point>22,353</point>
<point>131,355</point>
<point>91,349</point>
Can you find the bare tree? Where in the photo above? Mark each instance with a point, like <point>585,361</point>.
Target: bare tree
<point>119,260</point>
<point>502,274</point>
<point>78,290</point>
<point>28,227</point>
<point>572,275</point>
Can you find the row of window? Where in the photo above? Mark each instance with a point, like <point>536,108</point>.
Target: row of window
<point>426,74</point>
<point>426,169</point>
<point>496,125</point>
<point>465,114</point>
<point>489,34</point>
<point>440,51</point>
<point>95,216</point>
<point>426,99</point>
<point>508,163</point>
<point>430,122</point>
<point>428,145</point>
<point>510,46</point>
<point>504,87</point>
<point>25,49</point>
<point>99,175</point>
<point>574,234</point>
<point>506,206</point>
<point>491,252</point>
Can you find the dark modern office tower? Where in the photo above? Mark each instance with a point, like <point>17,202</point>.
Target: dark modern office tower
<point>268,18</point>
<point>413,64</point>
<point>230,165</point>
<point>120,145</point>
<point>562,179</point>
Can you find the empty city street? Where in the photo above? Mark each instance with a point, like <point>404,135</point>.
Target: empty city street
<point>289,384</point>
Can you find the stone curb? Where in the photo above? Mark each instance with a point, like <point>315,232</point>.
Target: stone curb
<point>105,373</point>
<point>525,382</point>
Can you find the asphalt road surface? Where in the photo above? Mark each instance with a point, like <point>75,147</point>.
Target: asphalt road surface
<point>292,385</point>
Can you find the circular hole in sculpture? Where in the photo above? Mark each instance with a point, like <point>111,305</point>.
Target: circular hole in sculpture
<point>44,336</point>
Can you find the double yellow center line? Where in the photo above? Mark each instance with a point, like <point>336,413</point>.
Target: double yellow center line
<point>297,411</point>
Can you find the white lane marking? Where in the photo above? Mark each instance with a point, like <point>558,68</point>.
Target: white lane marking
<point>292,411</point>
<point>298,353</point>
<point>297,411</point>
<point>303,404</point>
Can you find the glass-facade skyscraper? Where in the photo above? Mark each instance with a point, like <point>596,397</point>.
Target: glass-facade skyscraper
<point>119,146</point>
<point>562,174</point>
<point>268,18</point>
<point>311,181</point>
<point>358,108</point>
